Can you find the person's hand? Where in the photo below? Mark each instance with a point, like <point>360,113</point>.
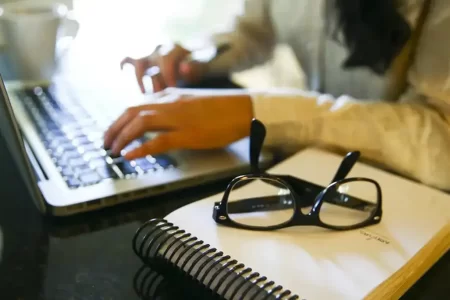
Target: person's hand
<point>166,65</point>
<point>190,122</point>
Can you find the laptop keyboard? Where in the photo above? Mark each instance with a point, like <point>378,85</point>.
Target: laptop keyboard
<point>74,140</point>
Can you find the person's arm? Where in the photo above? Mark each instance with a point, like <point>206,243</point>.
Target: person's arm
<point>411,139</point>
<point>252,40</point>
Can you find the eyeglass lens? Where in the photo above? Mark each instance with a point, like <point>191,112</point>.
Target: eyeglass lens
<point>260,202</point>
<point>350,203</point>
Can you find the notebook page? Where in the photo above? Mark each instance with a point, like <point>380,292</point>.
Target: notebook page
<point>321,264</point>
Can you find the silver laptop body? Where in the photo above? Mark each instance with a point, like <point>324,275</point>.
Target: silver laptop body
<point>52,172</point>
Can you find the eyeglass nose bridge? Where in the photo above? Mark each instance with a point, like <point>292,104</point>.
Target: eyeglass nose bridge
<point>305,219</point>
<point>311,200</point>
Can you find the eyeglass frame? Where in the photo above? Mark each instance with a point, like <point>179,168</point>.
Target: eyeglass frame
<point>293,184</point>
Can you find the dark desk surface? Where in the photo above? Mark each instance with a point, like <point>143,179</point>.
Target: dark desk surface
<point>90,256</point>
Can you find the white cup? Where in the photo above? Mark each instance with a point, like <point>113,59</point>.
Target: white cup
<point>33,33</point>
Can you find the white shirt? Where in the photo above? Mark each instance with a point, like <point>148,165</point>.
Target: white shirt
<point>344,109</point>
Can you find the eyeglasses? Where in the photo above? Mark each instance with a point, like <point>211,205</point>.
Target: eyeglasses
<point>262,201</point>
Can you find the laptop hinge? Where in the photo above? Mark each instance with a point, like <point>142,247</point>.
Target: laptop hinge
<point>37,168</point>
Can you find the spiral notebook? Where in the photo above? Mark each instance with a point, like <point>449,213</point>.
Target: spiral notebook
<point>378,262</point>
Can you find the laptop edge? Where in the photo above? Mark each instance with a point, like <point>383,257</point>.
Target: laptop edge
<point>35,176</point>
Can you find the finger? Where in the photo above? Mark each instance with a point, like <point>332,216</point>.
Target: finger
<point>117,126</point>
<point>140,69</point>
<point>144,122</point>
<point>191,71</point>
<point>162,143</point>
<point>112,132</point>
<point>158,83</point>
<point>127,60</point>
<point>169,65</point>
<point>154,72</point>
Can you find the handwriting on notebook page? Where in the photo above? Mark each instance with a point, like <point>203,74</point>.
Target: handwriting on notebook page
<point>372,236</point>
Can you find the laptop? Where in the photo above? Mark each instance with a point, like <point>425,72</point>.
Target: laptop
<point>56,139</point>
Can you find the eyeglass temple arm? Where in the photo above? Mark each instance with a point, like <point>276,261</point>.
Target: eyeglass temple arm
<point>346,165</point>
<point>257,136</point>
<point>269,203</point>
<point>273,202</point>
<point>308,191</point>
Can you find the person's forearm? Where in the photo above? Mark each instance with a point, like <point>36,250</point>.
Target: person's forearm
<point>410,139</point>
<point>252,41</point>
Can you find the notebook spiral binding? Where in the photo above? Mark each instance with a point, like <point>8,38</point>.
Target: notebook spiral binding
<point>149,284</point>
<point>172,251</point>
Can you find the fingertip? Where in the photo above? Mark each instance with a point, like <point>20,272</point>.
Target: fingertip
<point>106,141</point>
<point>141,85</point>
<point>124,61</point>
<point>144,150</point>
<point>114,151</point>
<point>156,84</point>
<point>134,154</point>
<point>185,68</point>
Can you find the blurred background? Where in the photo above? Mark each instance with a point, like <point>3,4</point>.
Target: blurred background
<point>112,29</point>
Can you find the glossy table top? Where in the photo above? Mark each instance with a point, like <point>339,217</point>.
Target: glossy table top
<point>90,256</point>
<point>83,257</point>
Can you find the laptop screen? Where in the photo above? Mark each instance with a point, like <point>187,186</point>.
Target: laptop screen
<point>18,147</point>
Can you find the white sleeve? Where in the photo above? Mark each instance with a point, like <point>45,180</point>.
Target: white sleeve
<point>409,138</point>
<point>252,40</point>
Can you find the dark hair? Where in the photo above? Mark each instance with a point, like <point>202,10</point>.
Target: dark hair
<point>373,31</point>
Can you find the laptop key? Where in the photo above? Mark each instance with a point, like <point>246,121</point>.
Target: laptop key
<point>63,159</point>
<point>82,169</point>
<point>110,154</point>
<point>74,134</point>
<point>77,162</point>
<point>70,154</point>
<point>80,114</point>
<point>73,182</point>
<point>95,136</point>
<point>56,141</point>
<point>66,172</point>
<point>87,147</point>
<point>65,120</point>
<point>52,101</point>
<point>61,162</point>
<point>131,146</point>
<point>81,140</point>
<point>164,161</point>
<point>90,178</point>
<point>54,134</point>
<point>106,172</point>
<point>51,126</point>
<point>144,164</point>
<point>125,167</point>
<point>94,154</point>
<point>65,147</point>
<point>97,162</point>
